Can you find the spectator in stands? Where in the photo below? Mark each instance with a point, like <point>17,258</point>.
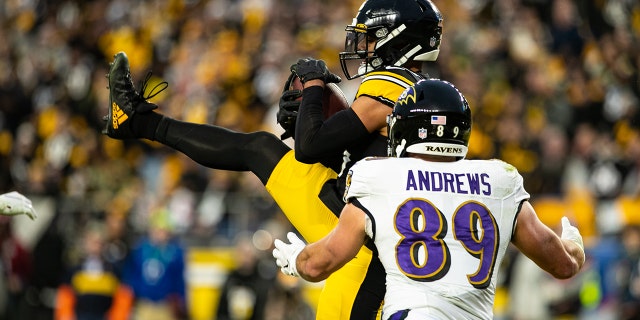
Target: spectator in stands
<point>155,271</point>
<point>245,292</point>
<point>92,289</point>
<point>16,267</point>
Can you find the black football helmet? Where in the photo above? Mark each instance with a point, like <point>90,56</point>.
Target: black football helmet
<point>402,30</point>
<point>430,117</point>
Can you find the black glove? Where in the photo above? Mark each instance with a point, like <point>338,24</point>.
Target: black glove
<point>288,108</point>
<point>310,69</point>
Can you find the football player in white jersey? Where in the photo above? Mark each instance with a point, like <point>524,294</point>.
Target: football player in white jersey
<point>441,223</point>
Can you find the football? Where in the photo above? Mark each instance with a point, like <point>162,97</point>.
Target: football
<point>333,99</point>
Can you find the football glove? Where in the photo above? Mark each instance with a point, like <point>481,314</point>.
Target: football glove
<point>287,253</point>
<point>14,203</point>
<point>310,69</point>
<point>288,108</point>
<point>570,232</point>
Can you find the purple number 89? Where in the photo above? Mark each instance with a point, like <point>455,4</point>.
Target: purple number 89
<point>423,255</point>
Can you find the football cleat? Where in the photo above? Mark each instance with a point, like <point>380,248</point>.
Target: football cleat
<point>124,101</point>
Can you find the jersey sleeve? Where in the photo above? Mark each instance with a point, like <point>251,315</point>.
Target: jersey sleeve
<point>384,86</point>
<point>519,194</point>
<point>358,185</point>
<point>359,180</point>
<point>514,191</point>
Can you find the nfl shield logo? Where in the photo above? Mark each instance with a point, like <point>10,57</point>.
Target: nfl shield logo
<point>422,133</point>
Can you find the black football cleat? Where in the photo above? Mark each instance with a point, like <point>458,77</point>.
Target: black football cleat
<point>124,101</point>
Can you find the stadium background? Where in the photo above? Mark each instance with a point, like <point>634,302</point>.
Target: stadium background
<point>553,85</point>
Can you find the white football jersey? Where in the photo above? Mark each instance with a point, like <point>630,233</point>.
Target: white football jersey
<point>441,229</point>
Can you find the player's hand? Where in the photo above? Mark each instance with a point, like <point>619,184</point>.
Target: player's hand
<point>310,69</point>
<point>570,232</point>
<point>14,203</point>
<point>288,108</point>
<point>286,254</point>
<point>288,113</point>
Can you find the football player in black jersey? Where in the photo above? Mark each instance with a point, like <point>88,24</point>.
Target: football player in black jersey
<point>385,46</point>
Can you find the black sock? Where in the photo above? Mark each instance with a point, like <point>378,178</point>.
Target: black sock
<point>144,125</point>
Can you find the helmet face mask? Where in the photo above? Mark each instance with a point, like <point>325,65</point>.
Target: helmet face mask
<point>402,31</point>
<point>359,56</point>
<point>432,117</point>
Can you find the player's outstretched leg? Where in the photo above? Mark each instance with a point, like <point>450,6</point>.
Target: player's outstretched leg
<point>131,116</point>
<point>124,101</point>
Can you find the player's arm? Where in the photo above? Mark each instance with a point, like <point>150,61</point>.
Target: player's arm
<point>562,256</point>
<point>316,138</point>
<point>316,261</point>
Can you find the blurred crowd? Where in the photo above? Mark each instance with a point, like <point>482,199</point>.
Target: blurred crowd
<point>554,87</point>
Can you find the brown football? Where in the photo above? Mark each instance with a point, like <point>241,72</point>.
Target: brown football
<point>333,99</point>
